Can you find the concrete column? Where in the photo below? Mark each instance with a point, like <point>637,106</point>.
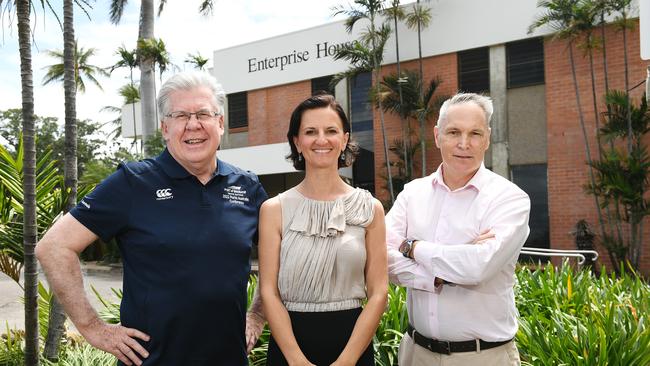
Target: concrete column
<point>225,139</point>
<point>499,122</point>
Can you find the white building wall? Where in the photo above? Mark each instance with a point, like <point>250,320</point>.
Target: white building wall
<point>456,25</point>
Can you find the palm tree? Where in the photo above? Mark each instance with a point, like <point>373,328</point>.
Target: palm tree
<point>566,18</point>
<point>396,13</point>
<point>73,63</point>
<point>411,106</point>
<point>154,51</point>
<point>23,8</point>
<point>82,68</point>
<point>622,175</point>
<point>622,24</point>
<point>367,54</point>
<point>128,59</point>
<point>197,60</point>
<point>146,32</point>
<point>418,19</point>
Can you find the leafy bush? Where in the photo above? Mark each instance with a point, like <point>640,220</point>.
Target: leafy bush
<point>11,347</point>
<point>82,355</point>
<point>572,317</point>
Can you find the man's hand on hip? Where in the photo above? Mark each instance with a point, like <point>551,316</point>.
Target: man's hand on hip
<point>117,340</point>
<point>254,327</point>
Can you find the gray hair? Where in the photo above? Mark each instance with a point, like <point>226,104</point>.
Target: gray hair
<point>190,80</point>
<point>484,102</point>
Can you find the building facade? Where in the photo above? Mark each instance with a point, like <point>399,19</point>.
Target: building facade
<point>478,46</point>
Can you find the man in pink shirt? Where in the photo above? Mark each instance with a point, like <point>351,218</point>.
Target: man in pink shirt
<point>453,240</point>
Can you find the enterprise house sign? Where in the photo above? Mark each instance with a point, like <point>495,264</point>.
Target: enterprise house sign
<point>321,50</point>
<point>283,59</point>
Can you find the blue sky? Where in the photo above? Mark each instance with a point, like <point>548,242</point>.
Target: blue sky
<point>181,27</point>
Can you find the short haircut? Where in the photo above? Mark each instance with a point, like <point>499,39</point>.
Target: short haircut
<point>315,102</point>
<point>187,81</point>
<point>484,102</point>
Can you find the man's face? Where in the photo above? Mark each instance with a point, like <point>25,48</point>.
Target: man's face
<point>193,143</point>
<point>462,139</point>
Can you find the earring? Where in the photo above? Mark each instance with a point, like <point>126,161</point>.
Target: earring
<point>342,157</point>
<point>299,156</point>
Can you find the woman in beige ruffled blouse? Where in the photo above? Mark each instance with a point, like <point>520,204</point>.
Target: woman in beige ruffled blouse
<point>322,250</point>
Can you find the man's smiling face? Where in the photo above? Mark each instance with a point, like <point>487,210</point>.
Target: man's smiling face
<point>463,138</point>
<point>193,143</point>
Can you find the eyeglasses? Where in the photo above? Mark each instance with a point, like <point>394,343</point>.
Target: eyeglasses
<point>202,116</point>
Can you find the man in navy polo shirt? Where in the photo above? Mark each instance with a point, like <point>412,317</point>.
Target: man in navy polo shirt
<point>185,222</point>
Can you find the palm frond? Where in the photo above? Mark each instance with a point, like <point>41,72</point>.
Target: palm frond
<point>116,10</point>
<point>206,7</point>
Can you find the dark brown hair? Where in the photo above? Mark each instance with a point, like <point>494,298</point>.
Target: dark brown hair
<point>315,102</point>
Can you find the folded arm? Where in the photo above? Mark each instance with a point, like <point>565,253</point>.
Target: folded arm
<point>462,263</point>
<point>470,264</point>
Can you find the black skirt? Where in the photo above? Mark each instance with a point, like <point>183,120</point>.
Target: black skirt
<point>322,336</point>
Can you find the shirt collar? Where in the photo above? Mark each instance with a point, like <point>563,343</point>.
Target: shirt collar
<point>173,169</point>
<point>477,181</point>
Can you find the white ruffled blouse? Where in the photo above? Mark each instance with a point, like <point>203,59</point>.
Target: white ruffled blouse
<point>323,253</point>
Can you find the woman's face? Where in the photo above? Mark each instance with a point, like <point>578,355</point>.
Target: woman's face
<point>321,138</point>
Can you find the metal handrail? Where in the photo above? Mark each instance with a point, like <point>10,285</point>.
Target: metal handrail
<point>580,254</point>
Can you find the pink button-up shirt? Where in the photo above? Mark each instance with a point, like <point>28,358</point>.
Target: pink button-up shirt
<point>481,304</point>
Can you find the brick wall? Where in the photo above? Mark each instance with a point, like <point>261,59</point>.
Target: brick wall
<point>269,111</point>
<point>567,171</point>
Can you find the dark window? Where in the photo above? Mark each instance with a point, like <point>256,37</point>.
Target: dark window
<point>474,70</point>
<point>525,60</point>
<point>533,180</point>
<point>322,84</point>
<point>237,110</point>
<point>363,170</point>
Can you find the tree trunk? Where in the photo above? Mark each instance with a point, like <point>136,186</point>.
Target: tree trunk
<point>147,86</point>
<point>586,138</point>
<point>423,132</point>
<point>615,223</point>
<point>628,114</point>
<point>29,183</point>
<point>377,68</point>
<point>135,128</point>
<point>406,141</point>
<point>56,325</point>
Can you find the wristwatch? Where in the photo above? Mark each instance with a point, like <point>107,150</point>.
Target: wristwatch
<point>405,247</point>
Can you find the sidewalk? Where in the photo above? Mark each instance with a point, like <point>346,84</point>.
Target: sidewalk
<point>101,277</point>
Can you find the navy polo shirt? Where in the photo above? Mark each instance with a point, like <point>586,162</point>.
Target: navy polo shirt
<point>185,248</point>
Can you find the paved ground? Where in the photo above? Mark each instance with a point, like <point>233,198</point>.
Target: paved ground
<point>103,278</point>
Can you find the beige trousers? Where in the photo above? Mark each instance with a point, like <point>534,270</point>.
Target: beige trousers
<point>411,354</point>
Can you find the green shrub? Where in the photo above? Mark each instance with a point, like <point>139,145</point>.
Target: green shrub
<point>572,317</point>
<point>83,355</point>
<point>11,347</point>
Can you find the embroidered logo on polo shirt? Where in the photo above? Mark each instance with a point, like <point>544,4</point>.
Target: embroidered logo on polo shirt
<point>235,194</point>
<point>164,194</point>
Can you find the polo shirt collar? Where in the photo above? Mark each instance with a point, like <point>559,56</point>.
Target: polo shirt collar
<point>173,169</point>
<point>223,168</point>
<point>477,181</point>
